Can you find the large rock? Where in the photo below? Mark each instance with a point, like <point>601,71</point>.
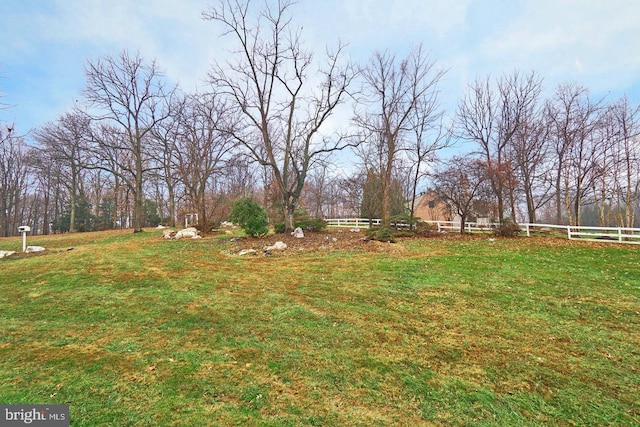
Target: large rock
<point>6,253</point>
<point>277,246</point>
<point>188,233</point>
<point>34,249</point>
<point>247,252</point>
<point>168,234</point>
<point>298,233</point>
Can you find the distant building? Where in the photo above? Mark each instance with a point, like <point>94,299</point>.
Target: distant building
<point>429,207</point>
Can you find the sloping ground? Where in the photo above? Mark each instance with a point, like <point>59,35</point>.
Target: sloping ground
<point>133,330</point>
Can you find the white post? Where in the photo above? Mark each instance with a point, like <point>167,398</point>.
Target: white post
<point>569,232</point>
<point>24,229</point>
<point>527,227</point>
<point>619,234</point>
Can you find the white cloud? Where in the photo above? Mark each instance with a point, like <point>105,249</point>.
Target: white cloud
<point>569,39</point>
<point>45,44</point>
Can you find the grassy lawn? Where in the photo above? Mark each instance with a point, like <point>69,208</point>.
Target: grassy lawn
<point>131,330</point>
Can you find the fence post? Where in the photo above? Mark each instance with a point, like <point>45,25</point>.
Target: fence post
<point>527,227</point>
<point>569,232</point>
<point>619,234</point>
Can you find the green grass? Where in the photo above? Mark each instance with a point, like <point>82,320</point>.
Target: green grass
<point>131,330</point>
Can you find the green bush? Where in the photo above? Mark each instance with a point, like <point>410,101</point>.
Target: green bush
<point>402,221</point>
<point>250,216</point>
<point>279,227</point>
<point>310,224</point>
<point>381,234</point>
<point>302,219</point>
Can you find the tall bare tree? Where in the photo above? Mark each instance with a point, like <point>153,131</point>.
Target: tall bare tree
<point>490,116</point>
<point>281,100</point>
<point>398,97</point>
<point>167,135</point>
<point>13,179</point>
<point>202,149</point>
<point>128,94</point>
<point>530,153</point>
<point>64,141</point>
<point>626,159</point>
<point>574,118</point>
<point>431,136</point>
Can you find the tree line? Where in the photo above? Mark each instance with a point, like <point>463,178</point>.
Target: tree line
<point>136,151</point>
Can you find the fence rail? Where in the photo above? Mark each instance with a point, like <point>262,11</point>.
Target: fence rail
<point>572,232</point>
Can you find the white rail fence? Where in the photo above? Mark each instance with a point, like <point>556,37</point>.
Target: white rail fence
<point>588,233</point>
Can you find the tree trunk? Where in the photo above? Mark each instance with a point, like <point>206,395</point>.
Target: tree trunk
<point>385,220</point>
<point>138,198</point>
<point>172,205</point>
<point>73,202</point>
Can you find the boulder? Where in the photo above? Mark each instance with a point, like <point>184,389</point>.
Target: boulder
<point>34,249</point>
<point>168,234</point>
<point>277,246</point>
<point>298,233</point>
<point>6,253</point>
<point>188,233</point>
<point>247,252</point>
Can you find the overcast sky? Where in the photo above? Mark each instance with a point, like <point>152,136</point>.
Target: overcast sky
<point>45,44</point>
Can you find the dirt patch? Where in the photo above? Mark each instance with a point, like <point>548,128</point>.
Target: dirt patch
<point>323,241</point>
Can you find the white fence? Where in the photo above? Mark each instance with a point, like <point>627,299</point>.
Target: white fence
<point>588,233</point>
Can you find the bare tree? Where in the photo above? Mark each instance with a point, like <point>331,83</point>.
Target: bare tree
<point>202,149</point>
<point>461,183</point>
<point>270,83</point>
<point>626,159</point>
<point>107,154</point>
<point>574,117</point>
<point>64,143</point>
<point>399,97</point>
<point>129,96</point>
<point>490,116</point>
<point>431,136</point>
<point>167,135</point>
<point>13,179</point>
<point>529,151</point>
<point>317,190</point>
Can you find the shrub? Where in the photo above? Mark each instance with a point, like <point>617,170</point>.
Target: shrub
<point>508,228</point>
<point>302,219</point>
<point>279,227</point>
<point>403,221</point>
<point>250,216</point>
<point>381,234</point>
<point>311,224</point>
